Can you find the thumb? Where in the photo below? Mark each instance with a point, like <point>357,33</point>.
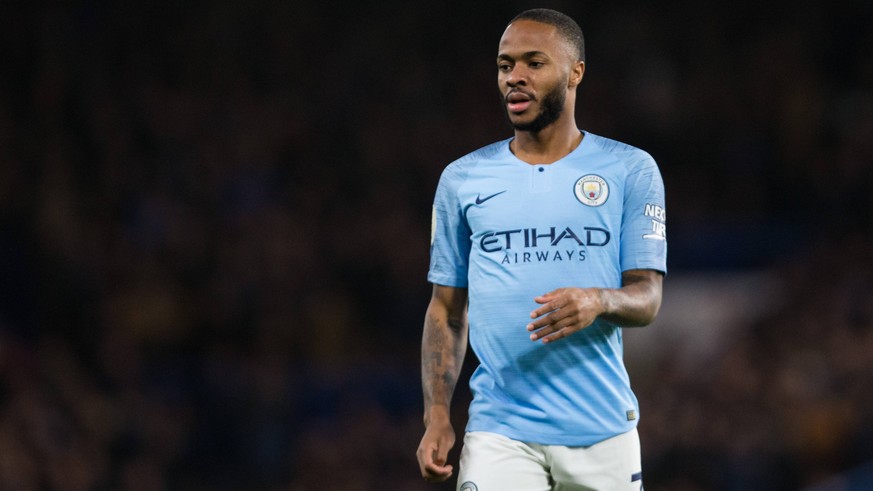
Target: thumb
<point>440,453</point>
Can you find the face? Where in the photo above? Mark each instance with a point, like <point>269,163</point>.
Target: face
<point>535,70</point>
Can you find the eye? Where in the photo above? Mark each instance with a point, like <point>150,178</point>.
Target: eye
<point>536,64</point>
<point>504,67</point>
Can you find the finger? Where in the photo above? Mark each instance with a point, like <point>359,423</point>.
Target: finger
<point>541,311</point>
<point>429,456</point>
<point>548,318</point>
<point>547,297</point>
<point>548,324</point>
<point>432,460</point>
<point>435,468</point>
<point>560,333</point>
<point>438,473</point>
<point>541,323</point>
<point>553,293</point>
<point>565,328</point>
<point>425,456</point>
<point>551,306</point>
<point>544,298</point>
<point>441,455</point>
<point>545,331</point>
<point>558,326</point>
<point>541,333</point>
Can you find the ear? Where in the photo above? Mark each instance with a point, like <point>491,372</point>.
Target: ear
<point>576,73</point>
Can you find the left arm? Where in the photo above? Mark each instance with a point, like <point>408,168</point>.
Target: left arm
<point>567,310</point>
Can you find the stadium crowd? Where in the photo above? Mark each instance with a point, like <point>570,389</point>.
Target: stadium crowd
<point>214,230</point>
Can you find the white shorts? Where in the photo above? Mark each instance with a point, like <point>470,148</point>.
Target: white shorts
<point>492,462</point>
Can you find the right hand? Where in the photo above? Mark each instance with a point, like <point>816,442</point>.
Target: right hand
<point>433,452</point>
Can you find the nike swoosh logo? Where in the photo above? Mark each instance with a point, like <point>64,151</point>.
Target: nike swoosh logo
<point>480,200</point>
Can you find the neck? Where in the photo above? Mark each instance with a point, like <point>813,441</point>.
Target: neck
<point>548,145</point>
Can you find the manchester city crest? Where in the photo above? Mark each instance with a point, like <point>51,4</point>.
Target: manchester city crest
<point>591,190</point>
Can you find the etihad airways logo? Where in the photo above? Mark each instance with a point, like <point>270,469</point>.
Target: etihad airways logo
<point>524,245</point>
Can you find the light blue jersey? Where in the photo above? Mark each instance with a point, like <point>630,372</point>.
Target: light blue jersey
<point>511,231</point>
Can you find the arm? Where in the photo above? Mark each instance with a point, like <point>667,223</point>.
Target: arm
<point>444,343</point>
<point>567,310</point>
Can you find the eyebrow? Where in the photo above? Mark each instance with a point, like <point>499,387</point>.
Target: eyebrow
<point>525,55</point>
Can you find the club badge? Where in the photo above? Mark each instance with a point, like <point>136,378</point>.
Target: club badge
<point>591,190</point>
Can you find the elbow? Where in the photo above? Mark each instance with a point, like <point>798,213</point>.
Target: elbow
<point>652,305</point>
<point>651,311</point>
<point>651,315</point>
<point>647,312</point>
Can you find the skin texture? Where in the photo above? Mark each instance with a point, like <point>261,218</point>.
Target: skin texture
<point>534,60</point>
<point>443,345</point>
<point>537,76</point>
<point>568,310</point>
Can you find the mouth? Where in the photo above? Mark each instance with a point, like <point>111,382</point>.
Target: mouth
<point>518,102</point>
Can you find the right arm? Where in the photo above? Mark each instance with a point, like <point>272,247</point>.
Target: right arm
<point>443,346</point>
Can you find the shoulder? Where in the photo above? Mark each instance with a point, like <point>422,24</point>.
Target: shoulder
<point>458,170</point>
<point>633,158</point>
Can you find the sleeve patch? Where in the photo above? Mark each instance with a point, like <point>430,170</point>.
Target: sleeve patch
<point>658,217</point>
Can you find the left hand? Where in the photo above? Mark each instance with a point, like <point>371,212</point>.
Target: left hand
<point>563,312</point>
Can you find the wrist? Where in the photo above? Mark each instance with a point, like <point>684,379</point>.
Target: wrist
<point>604,302</point>
<point>437,414</point>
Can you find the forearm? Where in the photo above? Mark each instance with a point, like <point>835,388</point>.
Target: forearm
<point>637,302</point>
<point>444,344</point>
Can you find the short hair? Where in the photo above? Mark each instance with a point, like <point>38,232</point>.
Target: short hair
<point>567,27</point>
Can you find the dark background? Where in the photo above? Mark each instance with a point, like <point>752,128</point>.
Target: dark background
<point>214,225</point>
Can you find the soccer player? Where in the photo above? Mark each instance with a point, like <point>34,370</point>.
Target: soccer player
<point>545,244</point>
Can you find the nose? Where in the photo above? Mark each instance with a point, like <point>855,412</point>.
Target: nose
<point>515,77</point>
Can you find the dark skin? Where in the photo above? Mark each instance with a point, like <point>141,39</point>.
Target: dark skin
<point>568,310</point>
<point>443,346</point>
<point>533,59</point>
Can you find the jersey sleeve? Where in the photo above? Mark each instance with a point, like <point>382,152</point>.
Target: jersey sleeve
<point>450,233</point>
<point>644,218</point>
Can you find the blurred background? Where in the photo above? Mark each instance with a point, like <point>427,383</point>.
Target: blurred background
<point>215,218</point>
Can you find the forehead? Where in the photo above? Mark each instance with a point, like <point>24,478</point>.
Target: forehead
<point>525,36</point>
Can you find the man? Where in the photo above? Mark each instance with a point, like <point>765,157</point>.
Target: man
<point>550,242</point>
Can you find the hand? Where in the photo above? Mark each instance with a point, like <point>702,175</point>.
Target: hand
<point>563,312</point>
<point>433,452</point>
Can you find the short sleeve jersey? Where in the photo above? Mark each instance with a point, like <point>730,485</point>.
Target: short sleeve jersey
<point>510,231</point>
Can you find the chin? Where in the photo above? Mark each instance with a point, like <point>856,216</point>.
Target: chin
<point>522,119</point>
